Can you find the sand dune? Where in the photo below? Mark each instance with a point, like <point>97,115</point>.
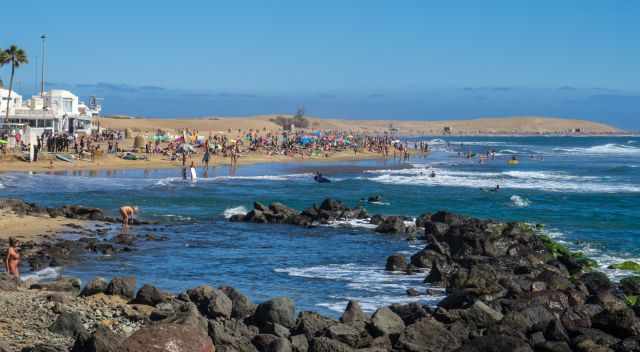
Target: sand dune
<point>508,125</point>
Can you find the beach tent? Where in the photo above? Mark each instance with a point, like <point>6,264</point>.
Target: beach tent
<point>304,140</point>
<point>160,138</point>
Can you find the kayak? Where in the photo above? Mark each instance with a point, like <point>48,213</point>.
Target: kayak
<point>66,158</point>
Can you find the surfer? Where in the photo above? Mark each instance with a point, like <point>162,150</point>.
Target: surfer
<point>12,261</point>
<point>126,213</point>
<point>433,174</point>
<point>320,179</point>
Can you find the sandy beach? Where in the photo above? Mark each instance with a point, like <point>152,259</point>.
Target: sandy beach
<point>48,162</point>
<point>236,128</point>
<point>32,228</point>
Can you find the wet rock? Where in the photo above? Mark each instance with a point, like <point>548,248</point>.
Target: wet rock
<point>125,239</point>
<point>122,286</point>
<point>345,333</point>
<point>149,295</point>
<point>95,286</point>
<point>276,329</point>
<point>102,340</point>
<point>8,282</point>
<point>590,337</point>
<point>299,343</point>
<point>325,344</point>
<point>496,343</point>
<point>437,275</point>
<point>621,323</point>
<point>242,305</point>
<point>396,262</point>
<point>310,323</point>
<point>168,337</point>
<point>211,302</point>
<point>385,322</point>
<point>422,219</point>
<point>331,205</point>
<point>435,229</point>
<point>630,285</point>
<point>263,342</point>
<point>232,335</point>
<point>426,257</point>
<point>392,225</point>
<point>427,335</point>
<point>596,281</point>
<point>280,310</point>
<point>353,312</point>
<point>409,313</point>
<point>448,218</point>
<point>182,314</point>
<point>556,332</point>
<point>68,324</point>
<point>63,284</point>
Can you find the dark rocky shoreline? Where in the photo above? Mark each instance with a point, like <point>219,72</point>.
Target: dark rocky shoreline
<point>509,288</point>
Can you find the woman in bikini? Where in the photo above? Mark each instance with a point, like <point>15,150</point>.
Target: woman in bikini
<point>12,260</point>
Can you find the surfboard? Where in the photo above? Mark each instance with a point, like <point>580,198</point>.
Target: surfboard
<point>64,158</point>
<point>194,176</point>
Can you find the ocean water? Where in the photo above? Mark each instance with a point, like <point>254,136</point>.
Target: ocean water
<point>585,190</point>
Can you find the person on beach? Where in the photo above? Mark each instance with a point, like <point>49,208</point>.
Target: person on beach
<point>12,261</point>
<point>205,157</point>
<point>126,213</point>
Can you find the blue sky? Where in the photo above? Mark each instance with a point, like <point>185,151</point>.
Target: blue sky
<point>379,59</point>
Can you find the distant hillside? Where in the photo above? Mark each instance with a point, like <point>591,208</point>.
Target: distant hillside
<point>508,125</point>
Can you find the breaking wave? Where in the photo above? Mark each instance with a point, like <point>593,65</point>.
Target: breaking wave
<point>234,211</point>
<point>519,202</point>
<point>539,180</point>
<point>42,275</point>
<point>605,149</point>
<point>374,286</point>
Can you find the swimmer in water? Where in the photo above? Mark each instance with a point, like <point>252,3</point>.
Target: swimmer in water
<point>433,174</point>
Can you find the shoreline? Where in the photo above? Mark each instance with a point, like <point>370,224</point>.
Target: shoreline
<point>114,163</point>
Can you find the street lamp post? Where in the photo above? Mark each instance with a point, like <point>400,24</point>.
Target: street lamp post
<point>43,37</point>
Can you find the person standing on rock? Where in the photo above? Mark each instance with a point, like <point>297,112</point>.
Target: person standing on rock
<point>12,260</point>
<point>126,213</point>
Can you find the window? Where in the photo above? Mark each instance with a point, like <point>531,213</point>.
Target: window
<point>67,104</point>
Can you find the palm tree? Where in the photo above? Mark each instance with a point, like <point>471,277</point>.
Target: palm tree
<point>16,57</point>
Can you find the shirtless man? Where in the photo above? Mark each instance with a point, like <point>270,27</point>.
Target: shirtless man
<point>12,260</point>
<point>126,213</point>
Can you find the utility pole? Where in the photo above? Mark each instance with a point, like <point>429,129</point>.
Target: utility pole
<point>43,37</point>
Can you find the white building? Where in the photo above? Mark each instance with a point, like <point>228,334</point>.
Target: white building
<point>58,111</point>
<point>16,101</point>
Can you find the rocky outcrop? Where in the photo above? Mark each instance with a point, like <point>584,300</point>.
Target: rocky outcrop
<point>21,207</point>
<point>508,289</point>
<point>278,213</point>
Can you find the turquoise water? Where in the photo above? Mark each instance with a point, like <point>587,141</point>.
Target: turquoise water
<point>584,190</point>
